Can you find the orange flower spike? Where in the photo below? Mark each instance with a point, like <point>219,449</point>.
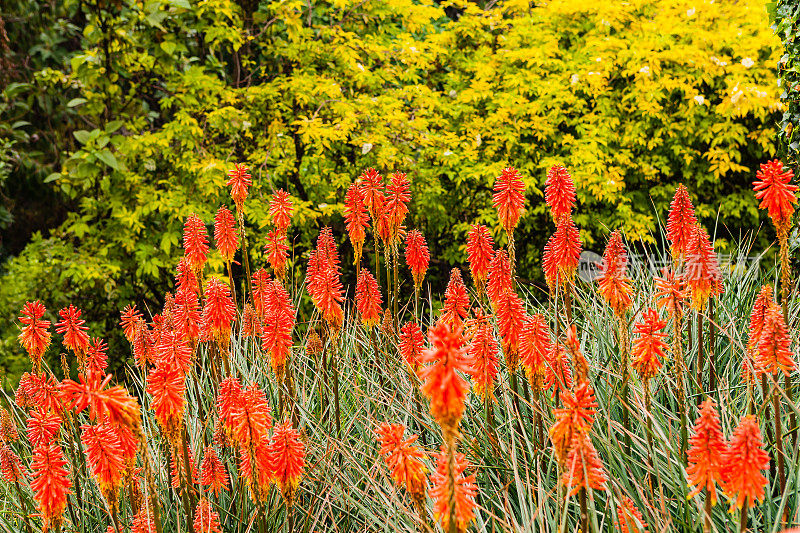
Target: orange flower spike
<point>356,217</point>
<point>167,386</point>
<point>218,313</point>
<point>456,300</point>
<point>412,342</point>
<point>276,334</point>
<point>372,187</point>
<point>417,256</point>
<point>239,180</point>
<point>403,458</point>
<point>228,401</point>
<point>143,521</point>
<point>583,470</point>
<point>277,251</point>
<point>480,250</point>
<point>706,452</point>
<point>398,194</point>
<point>649,345</point>
<point>287,454</point>
<point>368,299</point>
<point>614,285</point>
<point>671,293</point>
<point>195,243</point>
<point>35,336</point>
<point>212,472</point>
<point>776,193</point>
<point>774,352</point>
<point>251,420</point>
<point>260,288</point>
<point>185,279</point>
<point>187,316</point>
<point>482,355</point>
<point>225,234</point>
<point>629,518</point>
<point>323,279</point>
<point>206,520</point>
<point>42,427</point>
<point>105,457</point>
<point>576,417</point>
<point>510,321</point>
<point>561,254</point>
<point>762,302</point>
<point>11,467</point>
<point>281,210</point>
<point>559,192</point>
<point>441,384</point>
<point>177,470</point>
<point>680,223</point>
<point>50,484</point>
<point>534,347</point>
<point>559,374</point>
<point>8,428</point>
<point>73,329</point>
<point>500,277</point>
<point>465,491</point>
<point>129,318</point>
<point>173,351</point>
<point>509,198</point>
<point>96,358</point>
<point>702,270</point>
<point>744,464</point>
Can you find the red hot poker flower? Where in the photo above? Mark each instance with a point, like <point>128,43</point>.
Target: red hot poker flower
<point>185,279</point>
<point>73,329</point>
<point>260,288</point>
<point>239,180</point>
<point>50,484</point>
<point>464,489</point>
<point>113,403</point>
<point>398,195</point>
<point>129,319</point>
<point>173,351</point>
<point>559,192</point>
<point>8,428</point>
<point>276,334</point>
<point>372,186</point>
<point>706,452</point>
<point>561,254</point>
<point>322,280</point>
<point>680,223</point>
<point>287,455</point>
<point>417,256</point>
<point>774,353</point>
<point>212,472</point>
<point>500,276</point>
<point>251,419</point>
<point>368,299</point>
<point>281,210</point>
<point>534,347</point>
<point>671,293</point>
<point>614,284</point>
<point>277,253</point>
<point>412,342</point>
<point>42,427</point>
<point>206,520</point>
<point>167,386</point>
<point>218,313</point>
<point>482,355</point>
<point>195,242</point>
<point>702,270</point>
<point>10,466</point>
<point>35,336</point>
<point>744,463</point>
<point>629,518</point>
<point>576,417</point>
<point>776,193</point>
<point>757,315</point>
<point>510,320</point>
<point>583,470</point>
<point>509,198</point>
<point>187,317</point>
<point>480,250</point>
<point>105,457</point>
<point>356,217</point>
<point>441,384</point>
<point>228,400</point>
<point>559,375</point>
<point>649,345</point>
<point>225,234</point>
<point>402,457</point>
<point>456,300</point>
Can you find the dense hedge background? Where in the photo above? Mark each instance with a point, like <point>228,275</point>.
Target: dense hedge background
<point>120,116</point>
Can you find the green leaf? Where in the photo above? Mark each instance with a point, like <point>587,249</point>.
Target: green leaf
<point>113,126</point>
<point>181,3</point>
<point>75,102</point>
<point>168,47</point>
<point>52,177</point>
<point>83,136</point>
<point>108,158</point>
